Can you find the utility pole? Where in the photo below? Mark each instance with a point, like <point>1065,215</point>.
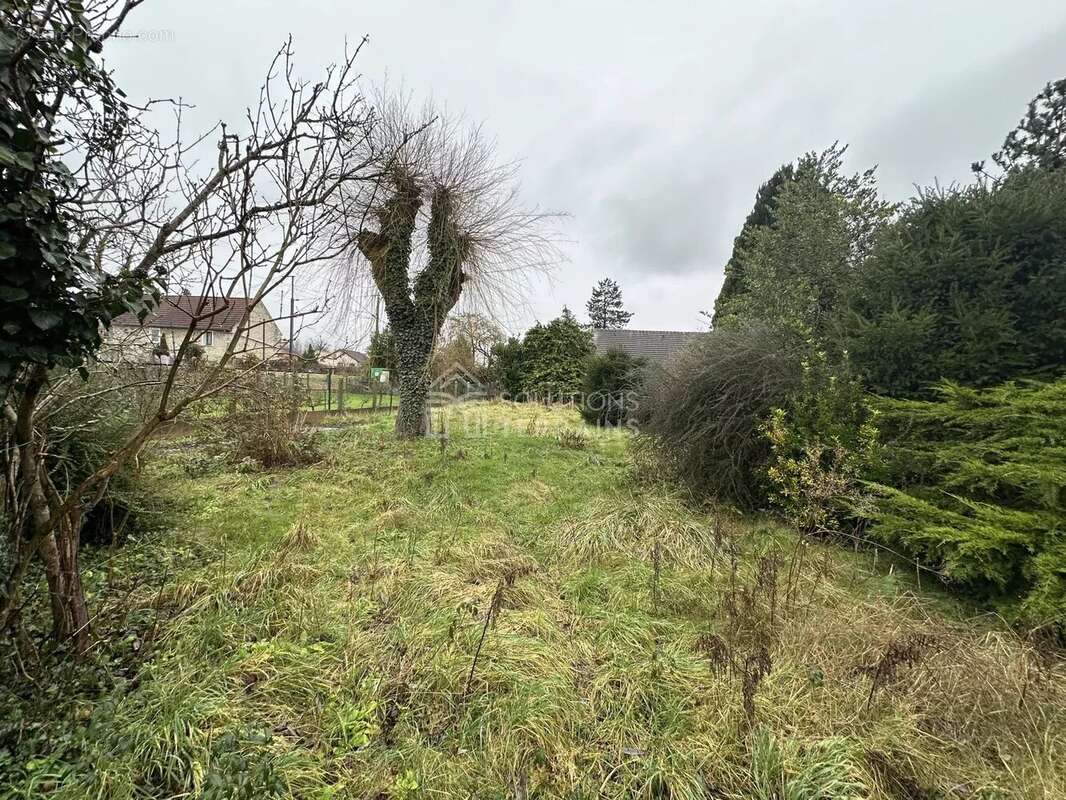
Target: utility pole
<point>281,314</point>
<point>292,314</point>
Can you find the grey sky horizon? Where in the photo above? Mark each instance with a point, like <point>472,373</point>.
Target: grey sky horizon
<point>650,125</point>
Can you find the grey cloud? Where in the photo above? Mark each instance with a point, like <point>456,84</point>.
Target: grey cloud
<point>936,134</point>
<point>652,125</point>
<point>661,221</point>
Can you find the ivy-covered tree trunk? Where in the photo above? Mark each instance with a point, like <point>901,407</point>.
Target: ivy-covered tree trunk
<point>413,351</point>
<point>416,307</point>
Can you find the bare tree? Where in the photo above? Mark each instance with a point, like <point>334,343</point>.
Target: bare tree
<point>268,205</point>
<point>477,333</point>
<point>444,223</point>
<point>466,342</point>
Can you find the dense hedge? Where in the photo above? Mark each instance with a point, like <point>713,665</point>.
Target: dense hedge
<point>968,285</point>
<point>548,362</point>
<point>974,484</point>
<point>962,286</point>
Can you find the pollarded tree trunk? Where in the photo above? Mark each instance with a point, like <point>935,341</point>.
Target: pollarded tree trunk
<point>413,351</point>
<point>416,307</point>
<point>412,415</point>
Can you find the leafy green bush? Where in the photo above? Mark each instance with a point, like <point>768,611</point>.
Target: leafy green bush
<point>973,484</point>
<point>610,389</point>
<point>822,441</point>
<point>505,374</point>
<point>701,416</point>
<point>553,357</point>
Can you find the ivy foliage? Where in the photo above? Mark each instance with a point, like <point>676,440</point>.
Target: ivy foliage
<point>973,483</point>
<point>53,299</point>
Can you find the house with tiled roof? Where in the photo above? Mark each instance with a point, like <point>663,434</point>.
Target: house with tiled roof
<point>343,359</point>
<point>215,320</point>
<point>655,347</point>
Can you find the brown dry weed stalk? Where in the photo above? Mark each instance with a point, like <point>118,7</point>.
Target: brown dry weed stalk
<point>757,666</point>
<point>505,582</point>
<point>907,651</point>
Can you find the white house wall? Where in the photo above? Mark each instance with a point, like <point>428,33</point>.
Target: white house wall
<point>262,339</point>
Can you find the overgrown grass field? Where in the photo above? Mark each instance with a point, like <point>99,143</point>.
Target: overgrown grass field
<point>515,611</point>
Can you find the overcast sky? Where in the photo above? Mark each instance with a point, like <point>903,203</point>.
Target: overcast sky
<point>650,124</point>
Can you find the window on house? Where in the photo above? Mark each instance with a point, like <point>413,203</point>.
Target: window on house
<point>207,338</point>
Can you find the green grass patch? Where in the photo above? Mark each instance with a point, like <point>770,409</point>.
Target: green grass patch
<point>500,613</point>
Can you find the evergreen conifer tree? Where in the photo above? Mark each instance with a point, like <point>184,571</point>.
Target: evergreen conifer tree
<point>761,216</point>
<point>605,307</point>
<point>1040,138</point>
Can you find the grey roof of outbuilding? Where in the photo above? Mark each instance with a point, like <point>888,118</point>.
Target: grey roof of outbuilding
<point>653,346</point>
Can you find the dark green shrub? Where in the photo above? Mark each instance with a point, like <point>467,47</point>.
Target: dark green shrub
<point>701,416</point>
<point>548,363</point>
<point>968,285</point>
<point>553,357</point>
<point>610,389</point>
<point>506,373</point>
<point>973,484</point>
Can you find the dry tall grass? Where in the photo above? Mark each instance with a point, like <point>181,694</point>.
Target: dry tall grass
<point>520,622</point>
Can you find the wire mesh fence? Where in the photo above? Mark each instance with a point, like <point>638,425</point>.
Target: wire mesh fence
<point>336,391</point>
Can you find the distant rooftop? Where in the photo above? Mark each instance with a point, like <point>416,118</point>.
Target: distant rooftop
<point>178,310</point>
<point>653,346</point>
<point>358,356</point>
